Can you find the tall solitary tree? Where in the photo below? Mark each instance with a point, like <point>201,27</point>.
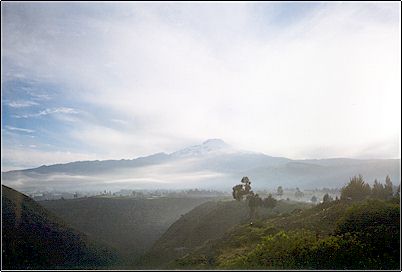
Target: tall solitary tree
<point>238,192</point>
<point>279,191</point>
<point>242,190</point>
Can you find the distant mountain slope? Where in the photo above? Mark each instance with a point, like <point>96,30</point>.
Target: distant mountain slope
<point>204,223</point>
<point>212,164</point>
<point>93,167</point>
<point>33,238</point>
<point>325,173</point>
<point>131,225</point>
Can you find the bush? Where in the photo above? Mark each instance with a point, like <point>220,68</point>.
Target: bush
<point>366,237</point>
<point>377,225</point>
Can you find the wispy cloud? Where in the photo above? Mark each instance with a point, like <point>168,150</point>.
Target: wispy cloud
<point>15,157</point>
<point>40,97</point>
<point>119,121</point>
<point>20,129</point>
<point>60,110</point>
<point>37,95</point>
<point>22,104</point>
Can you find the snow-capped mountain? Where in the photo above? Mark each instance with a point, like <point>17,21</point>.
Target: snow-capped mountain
<point>213,164</point>
<point>208,147</point>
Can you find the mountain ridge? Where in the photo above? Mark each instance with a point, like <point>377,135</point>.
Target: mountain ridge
<point>215,142</point>
<point>212,164</point>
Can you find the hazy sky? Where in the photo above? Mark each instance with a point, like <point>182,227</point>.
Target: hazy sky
<point>121,80</point>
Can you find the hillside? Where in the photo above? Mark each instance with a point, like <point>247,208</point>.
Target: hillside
<point>33,238</point>
<point>130,225</point>
<point>334,235</point>
<point>204,223</point>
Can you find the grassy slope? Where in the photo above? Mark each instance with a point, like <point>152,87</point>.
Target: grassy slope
<point>130,225</point>
<point>33,238</point>
<point>243,239</point>
<point>202,225</point>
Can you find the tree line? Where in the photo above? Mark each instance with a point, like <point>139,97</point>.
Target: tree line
<point>356,190</point>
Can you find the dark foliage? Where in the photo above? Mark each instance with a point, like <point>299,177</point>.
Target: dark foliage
<point>130,225</point>
<point>356,189</point>
<point>327,198</point>
<point>33,238</point>
<point>253,200</point>
<point>366,237</point>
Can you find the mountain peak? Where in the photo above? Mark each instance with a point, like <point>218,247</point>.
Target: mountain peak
<point>210,145</point>
<point>215,143</point>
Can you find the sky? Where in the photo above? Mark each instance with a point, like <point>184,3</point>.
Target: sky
<point>93,81</point>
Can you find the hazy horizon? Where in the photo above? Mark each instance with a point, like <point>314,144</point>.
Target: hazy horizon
<point>97,81</point>
<point>184,147</point>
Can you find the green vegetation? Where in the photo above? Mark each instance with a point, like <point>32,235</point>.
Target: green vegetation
<point>204,225</point>
<point>356,190</point>
<point>359,231</point>
<point>366,237</point>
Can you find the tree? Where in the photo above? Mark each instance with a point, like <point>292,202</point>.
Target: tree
<point>314,199</point>
<point>242,190</point>
<point>247,184</point>
<point>327,198</point>
<point>269,202</point>
<point>253,200</point>
<point>298,193</point>
<point>356,189</point>
<point>279,191</point>
<point>378,190</point>
<point>388,191</point>
<point>238,192</point>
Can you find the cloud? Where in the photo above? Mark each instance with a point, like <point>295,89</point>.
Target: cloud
<point>22,104</point>
<point>179,74</point>
<point>14,158</point>
<point>20,129</point>
<point>118,144</point>
<point>60,110</point>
